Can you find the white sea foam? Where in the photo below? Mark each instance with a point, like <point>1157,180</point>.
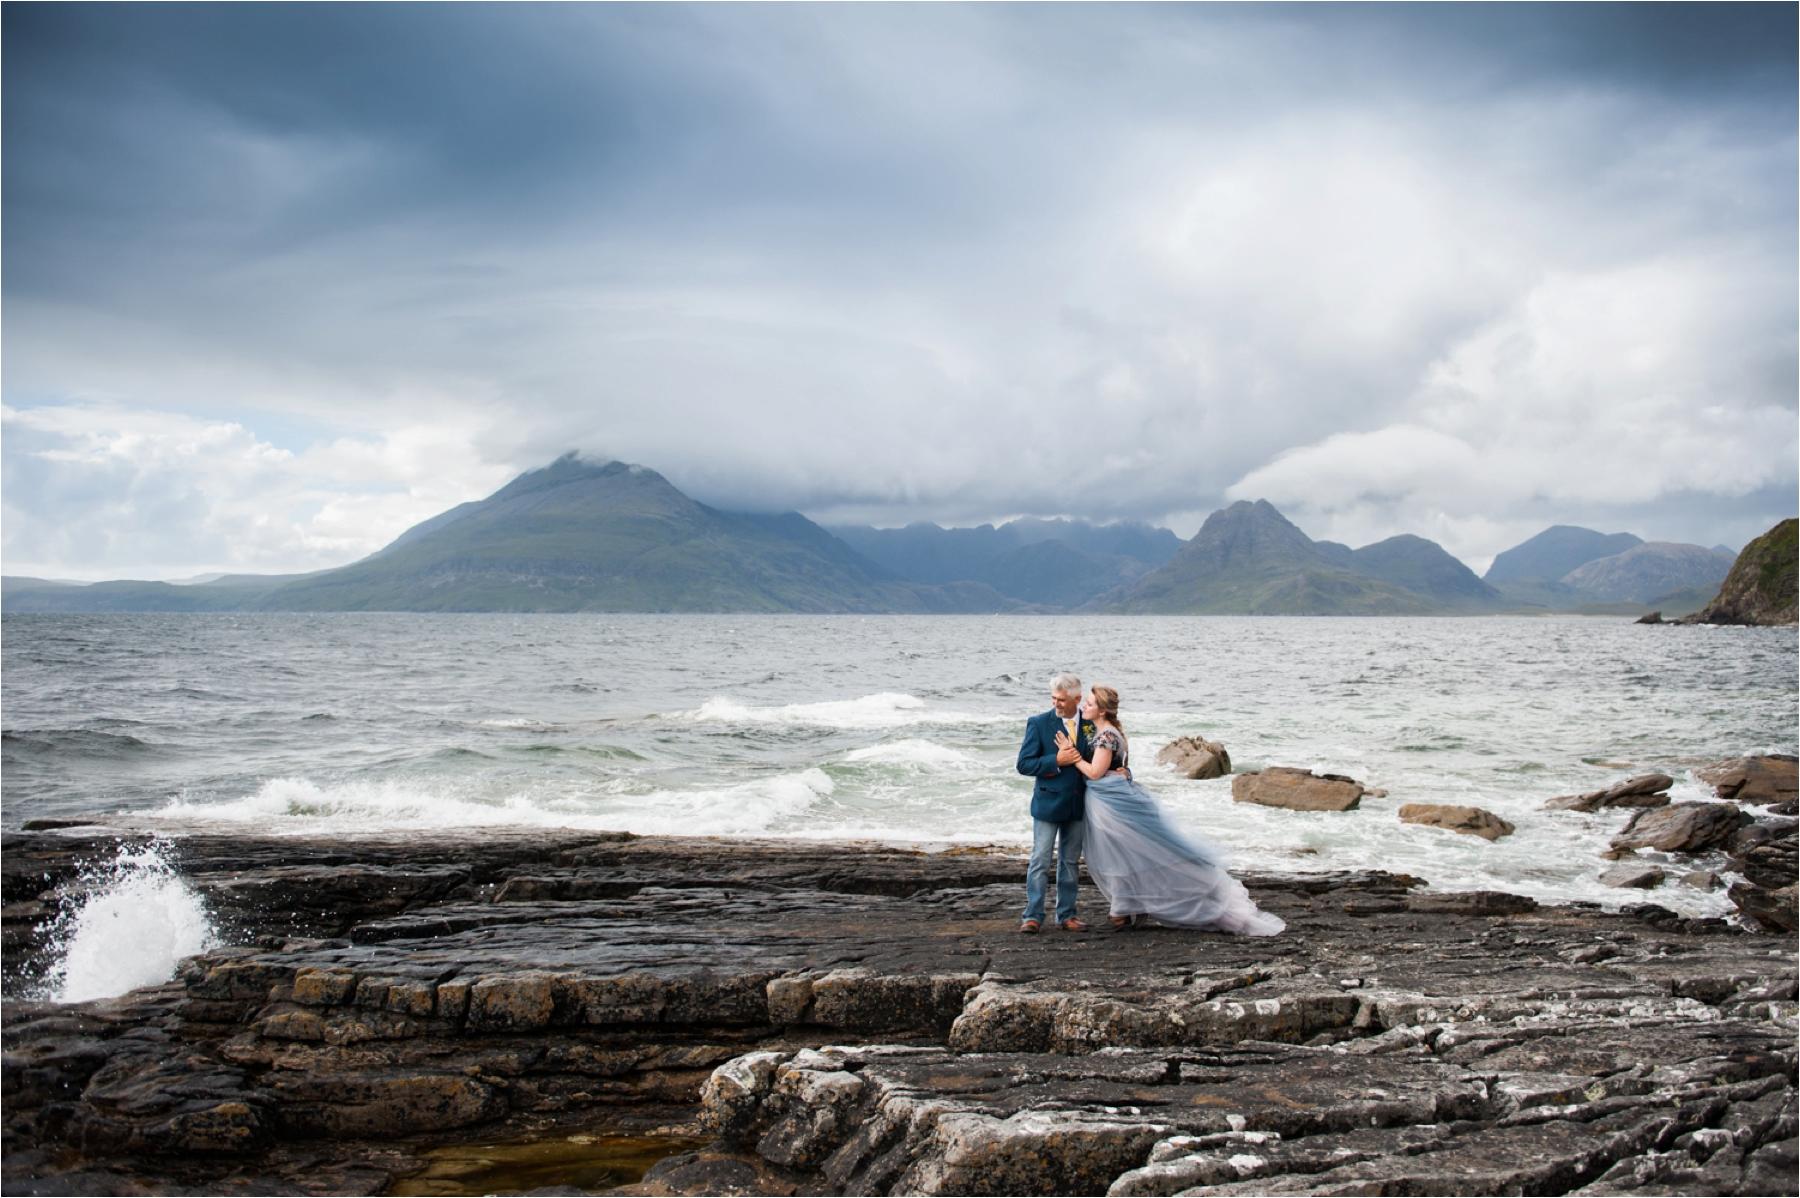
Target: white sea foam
<point>137,922</point>
<point>760,805</point>
<point>299,805</point>
<point>885,710</point>
<point>917,754</point>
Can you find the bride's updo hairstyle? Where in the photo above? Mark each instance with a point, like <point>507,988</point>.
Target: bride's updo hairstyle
<point>1107,700</point>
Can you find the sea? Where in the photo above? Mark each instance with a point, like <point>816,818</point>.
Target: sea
<point>895,729</point>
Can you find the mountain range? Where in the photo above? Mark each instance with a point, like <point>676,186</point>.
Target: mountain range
<point>1565,567</point>
<point>584,536</point>
<point>1056,563</point>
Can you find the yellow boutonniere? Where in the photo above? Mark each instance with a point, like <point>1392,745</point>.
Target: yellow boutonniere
<point>1087,730</point>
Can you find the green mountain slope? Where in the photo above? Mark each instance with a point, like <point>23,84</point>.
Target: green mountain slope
<point>1249,559</point>
<point>1761,588</point>
<point>577,536</point>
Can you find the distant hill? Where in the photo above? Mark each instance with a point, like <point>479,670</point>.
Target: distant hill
<point>231,592</point>
<point>1051,563</point>
<point>1554,552</point>
<point>580,536</point>
<point>573,536</point>
<point>1646,571</point>
<point>1424,568</point>
<point>586,536</point>
<point>1761,587</point>
<point>1250,559</point>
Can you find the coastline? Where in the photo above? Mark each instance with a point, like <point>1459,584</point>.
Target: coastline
<point>857,1018</point>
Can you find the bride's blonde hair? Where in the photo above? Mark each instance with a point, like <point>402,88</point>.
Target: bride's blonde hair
<point>1107,700</point>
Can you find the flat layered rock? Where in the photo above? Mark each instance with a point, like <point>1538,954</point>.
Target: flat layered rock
<point>1771,778</point>
<point>866,1019</point>
<point>1297,790</point>
<point>1470,821</point>
<point>1432,1117</point>
<point>1644,790</point>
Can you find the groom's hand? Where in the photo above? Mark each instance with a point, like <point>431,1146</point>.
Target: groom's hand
<point>1066,753</point>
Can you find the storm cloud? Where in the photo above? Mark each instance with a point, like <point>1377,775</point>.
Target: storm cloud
<point>281,280</point>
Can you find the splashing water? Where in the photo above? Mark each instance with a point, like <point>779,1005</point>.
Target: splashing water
<point>138,920</point>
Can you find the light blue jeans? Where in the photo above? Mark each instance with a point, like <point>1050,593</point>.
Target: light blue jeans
<point>1044,836</point>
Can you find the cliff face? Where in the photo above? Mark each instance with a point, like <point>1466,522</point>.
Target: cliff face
<point>1761,586</point>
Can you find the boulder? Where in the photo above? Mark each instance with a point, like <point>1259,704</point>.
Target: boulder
<point>1471,821</point>
<point>1297,790</point>
<point>1682,828</point>
<point>1771,778</point>
<point>1765,854</point>
<point>1645,790</point>
<point>1633,877</point>
<point>1196,757</point>
<point>1654,617</point>
<point>1771,910</point>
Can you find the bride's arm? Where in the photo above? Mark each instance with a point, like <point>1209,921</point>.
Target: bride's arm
<point>1097,767</point>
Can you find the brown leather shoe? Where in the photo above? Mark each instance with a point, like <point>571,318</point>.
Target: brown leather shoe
<point>1073,924</point>
<point>1029,927</point>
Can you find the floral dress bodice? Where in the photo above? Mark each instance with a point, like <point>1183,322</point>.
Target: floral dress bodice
<point>1110,738</point>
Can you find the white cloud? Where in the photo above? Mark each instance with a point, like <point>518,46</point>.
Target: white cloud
<point>152,494</point>
<point>1428,269</point>
<point>1593,392</point>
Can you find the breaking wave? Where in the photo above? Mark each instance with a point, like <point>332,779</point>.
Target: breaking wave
<point>885,710</point>
<point>300,805</point>
<point>139,919</point>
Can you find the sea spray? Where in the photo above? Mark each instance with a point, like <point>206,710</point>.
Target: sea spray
<point>137,919</point>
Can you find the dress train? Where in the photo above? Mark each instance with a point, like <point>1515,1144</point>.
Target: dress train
<point>1146,866</point>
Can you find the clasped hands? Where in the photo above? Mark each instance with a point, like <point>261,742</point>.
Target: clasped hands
<point>1068,754</point>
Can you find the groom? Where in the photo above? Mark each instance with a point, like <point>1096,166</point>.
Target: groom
<point>1057,803</point>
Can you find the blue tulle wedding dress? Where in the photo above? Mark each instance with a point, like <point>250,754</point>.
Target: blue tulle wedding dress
<point>1147,866</point>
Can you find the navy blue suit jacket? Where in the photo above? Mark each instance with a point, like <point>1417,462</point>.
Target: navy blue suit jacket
<point>1060,795</point>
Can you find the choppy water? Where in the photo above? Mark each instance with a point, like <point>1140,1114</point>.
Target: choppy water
<point>891,727</point>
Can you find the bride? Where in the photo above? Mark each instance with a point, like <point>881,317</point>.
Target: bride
<point>1142,863</point>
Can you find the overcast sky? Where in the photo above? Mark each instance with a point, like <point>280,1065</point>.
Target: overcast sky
<point>281,281</point>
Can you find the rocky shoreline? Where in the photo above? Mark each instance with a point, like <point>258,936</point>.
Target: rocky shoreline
<point>828,1018</point>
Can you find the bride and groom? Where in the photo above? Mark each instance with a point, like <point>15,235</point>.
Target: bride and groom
<point>1085,798</point>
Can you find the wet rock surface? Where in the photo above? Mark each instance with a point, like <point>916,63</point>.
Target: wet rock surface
<point>1470,821</point>
<point>1644,790</point>
<point>1196,757</point>
<point>1772,778</point>
<point>857,1019</point>
<point>1682,828</point>
<point>1297,789</point>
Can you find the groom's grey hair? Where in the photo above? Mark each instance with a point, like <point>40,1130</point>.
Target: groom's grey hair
<point>1065,684</point>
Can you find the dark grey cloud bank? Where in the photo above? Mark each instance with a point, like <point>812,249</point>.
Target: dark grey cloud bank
<point>280,280</point>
